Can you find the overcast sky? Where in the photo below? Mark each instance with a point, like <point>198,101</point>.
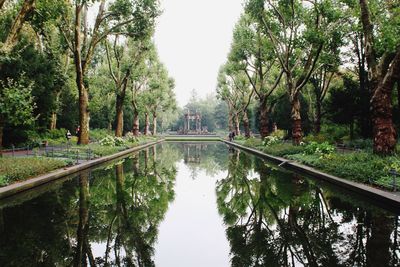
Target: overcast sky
<point>193,39</point>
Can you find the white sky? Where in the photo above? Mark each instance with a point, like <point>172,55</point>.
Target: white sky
<point>193,38</point>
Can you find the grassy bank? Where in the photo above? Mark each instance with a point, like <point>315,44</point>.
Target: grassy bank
<point>360,166</point>
<point>19,169</point>
<point>16,169</point>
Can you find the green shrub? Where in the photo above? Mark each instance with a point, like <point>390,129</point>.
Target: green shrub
<point>320,149</point>
<point>271,140</point>
<point>281,134</point>
<point>359,143</point>
<point>283,149</point>
<point>98,134</point>
<point>129,137</point>
<point>252,142</point>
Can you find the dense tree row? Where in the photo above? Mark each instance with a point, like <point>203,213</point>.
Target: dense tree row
<point>340,59</point>
<point>68,63</point>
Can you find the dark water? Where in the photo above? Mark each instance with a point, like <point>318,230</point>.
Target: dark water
<point>194,205</point>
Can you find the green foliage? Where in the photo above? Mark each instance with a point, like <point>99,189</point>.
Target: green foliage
<point>271,140</point>
<point>18,169</point>
<point>252,142</point>
<point>112,141</point>
<point>16,101</point>
<point>283,149</point>
<point>315,148</point>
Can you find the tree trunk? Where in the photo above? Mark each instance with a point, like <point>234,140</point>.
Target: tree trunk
<point>2,3</point>
<point>246,124</point>
<point>83,114</point>
<point>11,39</point>
<point>154,124</point>
<point>264,120</point>
<point>318,115</point>
<point>297,132</point>
<point>119,116</point>
<point>53,121</point>
<point>146,124</point>
<point>83,137</point>
<point>136,129</point>
<point>237,125</point>
<point>230,122</point>
<point>384,132</point>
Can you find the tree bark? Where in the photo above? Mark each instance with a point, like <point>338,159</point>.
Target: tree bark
<point>230,122</point>
<point>246,124</point>
<point>136,129</point>
<point>11,39</point>
<point>237,125</point>
<point>264,119</point>
<point>383,76</point>
<point>297,132</point>
<point>119,116</point>
<point>2,3</point>
<point>83,92</point>
<point>146,124</point>
<point>154,124</point>
<point>53,121</point>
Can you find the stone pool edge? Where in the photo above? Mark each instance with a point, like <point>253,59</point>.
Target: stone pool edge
<point>16,188</point>
<point>362,189</point>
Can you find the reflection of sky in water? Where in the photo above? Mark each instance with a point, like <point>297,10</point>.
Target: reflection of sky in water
<point>192,233</point>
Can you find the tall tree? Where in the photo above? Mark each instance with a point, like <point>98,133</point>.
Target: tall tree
<point>252,53</point>
<point>123,17</point>
<point>297,32</point>
<point>382,48</point>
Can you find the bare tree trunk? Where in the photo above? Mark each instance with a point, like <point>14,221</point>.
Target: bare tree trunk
<point>146,124</point>
<point>53,121</point>
<point>246,124</point>
<point>11,39</point>
<point>264,119</point>
<point>136,129</point>
<point>385,136</point>
<point>154,124</point>
<point>83,92</point>
<point>119,116</point>
<point>237,125</point>
<point>297,132</point>
<point>230,122</point>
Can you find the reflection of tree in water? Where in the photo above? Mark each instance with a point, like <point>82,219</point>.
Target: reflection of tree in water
<point>275,221</point>
<point>202,157</point>
<point>130,214</point>
<point>110,219</point>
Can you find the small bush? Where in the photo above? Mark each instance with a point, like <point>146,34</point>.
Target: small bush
<point>271,140</point>
<point>281,134</point>
<point>252,142</point>
<point>320,149</point>
<point>112,141</point>
<point>129,137</point>
<point>98,134</point>
<point>283,149</point>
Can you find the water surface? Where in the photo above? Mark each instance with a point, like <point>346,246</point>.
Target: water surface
<point>182,204</point>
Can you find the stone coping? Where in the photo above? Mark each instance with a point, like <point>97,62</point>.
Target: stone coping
<point>383,197</point>
<point>13,189</point>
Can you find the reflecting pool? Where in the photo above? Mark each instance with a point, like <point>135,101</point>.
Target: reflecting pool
<point>194,204</point>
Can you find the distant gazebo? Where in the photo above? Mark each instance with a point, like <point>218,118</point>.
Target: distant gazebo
<point>188,118</point>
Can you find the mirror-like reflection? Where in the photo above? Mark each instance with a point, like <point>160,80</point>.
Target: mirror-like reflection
<point>275,218</point>
<point>131,210</point>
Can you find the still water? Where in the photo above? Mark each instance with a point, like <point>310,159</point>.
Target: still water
<point>181,204</point>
